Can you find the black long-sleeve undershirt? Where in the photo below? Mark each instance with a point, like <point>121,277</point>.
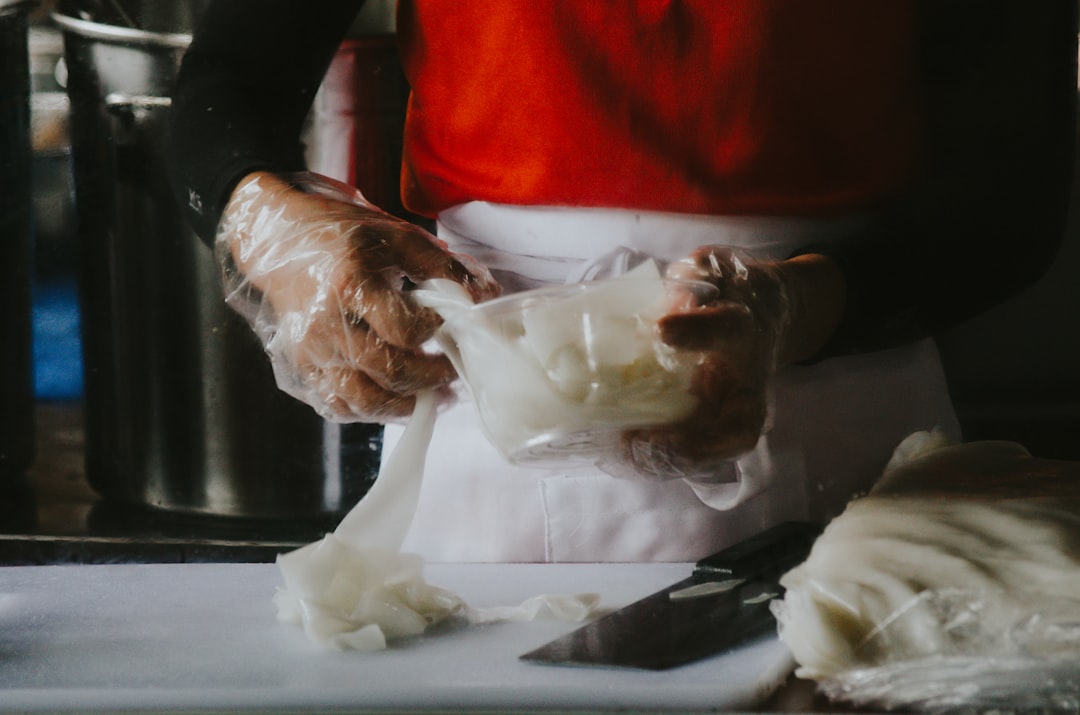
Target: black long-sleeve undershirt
<point>983,222</point>
<point>987,216</point>
<point>245,87</point>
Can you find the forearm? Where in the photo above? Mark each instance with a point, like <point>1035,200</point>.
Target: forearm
<point>244,89</point>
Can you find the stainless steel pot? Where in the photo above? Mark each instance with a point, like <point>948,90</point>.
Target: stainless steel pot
<point>53,201</point>
<point>16,387</point>
<point>182,412</point>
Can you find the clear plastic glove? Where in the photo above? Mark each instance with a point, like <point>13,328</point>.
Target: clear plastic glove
<point>322,276</point>
<point>739,335</point>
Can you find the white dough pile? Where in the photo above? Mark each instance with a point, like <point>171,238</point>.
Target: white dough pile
<point>354,589</point>
<point>560,372</point>
<point>352,598</point>
<point>956,581</point>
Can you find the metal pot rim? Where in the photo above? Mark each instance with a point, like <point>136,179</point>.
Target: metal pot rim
<point>115,33</point>
<point>12,6</point>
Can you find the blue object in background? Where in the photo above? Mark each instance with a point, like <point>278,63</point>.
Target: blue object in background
<point>58,370</point>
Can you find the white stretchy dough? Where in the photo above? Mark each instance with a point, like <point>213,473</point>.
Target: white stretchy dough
<point>581,368</point>
<point>959,551</point>
<point>354,589</point>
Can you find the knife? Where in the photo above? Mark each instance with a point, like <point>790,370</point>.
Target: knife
<point>722,604</point>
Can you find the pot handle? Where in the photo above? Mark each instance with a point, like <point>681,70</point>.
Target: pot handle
<point>118,101</point>
<point>133,112</point>
<point>136,123</point>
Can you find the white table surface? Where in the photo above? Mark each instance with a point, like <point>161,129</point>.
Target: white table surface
<point>197,637</point>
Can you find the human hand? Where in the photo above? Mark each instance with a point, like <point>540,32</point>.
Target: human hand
<point>740,336</point>
<point>322,276</point>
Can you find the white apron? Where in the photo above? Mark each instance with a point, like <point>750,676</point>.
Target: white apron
<point>833,425</point>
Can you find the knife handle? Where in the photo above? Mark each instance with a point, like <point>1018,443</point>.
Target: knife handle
<point>770,553</point>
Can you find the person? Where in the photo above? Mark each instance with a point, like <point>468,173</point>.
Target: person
<point>854,177</point>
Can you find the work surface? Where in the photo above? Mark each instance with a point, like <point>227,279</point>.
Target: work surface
<point>205,636</point>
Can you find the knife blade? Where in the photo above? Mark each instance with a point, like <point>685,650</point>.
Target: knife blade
<point>723,603</point>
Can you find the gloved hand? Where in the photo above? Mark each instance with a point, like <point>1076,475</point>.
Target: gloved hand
<point>739,336</point>
<point>322,276</point>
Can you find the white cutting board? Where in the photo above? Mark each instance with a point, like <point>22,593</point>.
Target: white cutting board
<point>204,636</point>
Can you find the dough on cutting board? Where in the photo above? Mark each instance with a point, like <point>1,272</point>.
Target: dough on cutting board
<point>960,551</point>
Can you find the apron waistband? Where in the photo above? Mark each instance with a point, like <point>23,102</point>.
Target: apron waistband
<point>537,245</point>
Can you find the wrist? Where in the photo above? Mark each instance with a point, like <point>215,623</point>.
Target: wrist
<point>817,294</point>
<point>236,229</point>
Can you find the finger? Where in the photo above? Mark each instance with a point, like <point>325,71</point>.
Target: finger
<point>687,295</point>
<point>421,256</point>
<point>354,345</point>
<point>387,311</point>
<point>686,269</point>
<point>337,392</point>
<point>349,365</point>
<point>394,368</point>
<point>706,328</point>
<point>351,396</point>
<point>391,253</point>
<point>721,263</point>
<point>722,266</point>
<point>691,446</point>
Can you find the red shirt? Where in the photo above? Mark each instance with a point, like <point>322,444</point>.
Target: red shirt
<point>718,106</point>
